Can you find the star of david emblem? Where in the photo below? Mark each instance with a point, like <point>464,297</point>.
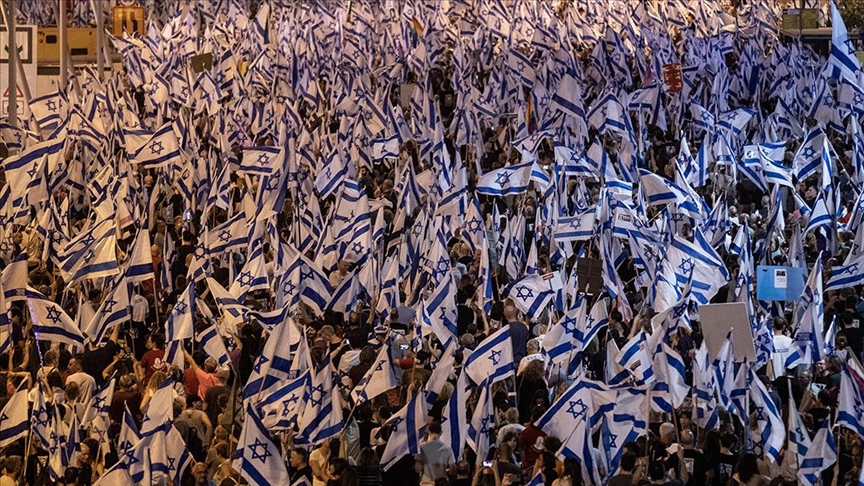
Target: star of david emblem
<point>319,392</point>
<point>732,116</point>
<point>180,308</point>
<point>263,159</point>
<point>760,414</point>
<point>108,306</point>
<point>577,408</point>
<point>524,293</point>
<point>51,105</point>
<point>857,99</point>
<point>53,439</point>
<point>305,276</point>
<point>156,148</point>
<point>809,152</point>
<point>125,446</point>
<point>859,409</point>
<point>520,66</point>
<point>706,117</point>
<point>474,224</point>
<point>850,47</point>
<point>852,269</point>
<point>569,325</point>
<point>262,360</point>
<point>288,287</point>
<point>610,441</point>
<point>225,236</point>
<point>590,323</point>
<point>5,247</point>
<point>679,311</point>
<point>604,112</point>
<point>89,256</point>
<point>484,425</point>
<point>185,174</point>
<point>184,92</point>
<point>287,405</point>
<point>245,279</point>
<point>88,240</point>
<point>32,172</point>
<point>394,424</point>
<point>99,402</point>
<point>495,356</point>
<point>37,416</point>
<point>442,314</point>
<point>576,223</point>
<point>357,247</point>
<point>199,251</point>
<point>502,178</point>
<point>442,266</point>
<point>53,315</point>
<point>272,184</point>
<point>358,91</point>
<point>544,100</point>
<point>739,281</point>
<point>261,456</point>
<point>686,266</point>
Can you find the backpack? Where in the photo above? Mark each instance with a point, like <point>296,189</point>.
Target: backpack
<point>191,438</point>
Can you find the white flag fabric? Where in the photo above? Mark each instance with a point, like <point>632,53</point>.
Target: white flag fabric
<point>15,418</point>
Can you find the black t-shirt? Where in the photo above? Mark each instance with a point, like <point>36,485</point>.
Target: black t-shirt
<point>98,359</point>
<point>697,466</point>
<point>723,465</point>
<point>854,336</point>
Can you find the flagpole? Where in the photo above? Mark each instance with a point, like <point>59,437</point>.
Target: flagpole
<point>61,27</point>
<point>12,43</point>
<point>100,41</point>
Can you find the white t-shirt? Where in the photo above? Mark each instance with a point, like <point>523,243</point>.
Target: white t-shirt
<point>86,385</point>
<point>782,349</point>
<point>140,307</point>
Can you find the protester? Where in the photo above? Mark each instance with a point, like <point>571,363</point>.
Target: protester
<point>358,243</point>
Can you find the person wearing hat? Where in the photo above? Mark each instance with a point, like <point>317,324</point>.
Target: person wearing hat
<point>379,336</point>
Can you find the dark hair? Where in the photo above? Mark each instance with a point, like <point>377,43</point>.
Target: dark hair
<point>367,459</point>
<point>573,470</point>
<point>633,447</point>
<point>434,427</point>
<point>339,465</point>
<point>747,467</point>
<point>158,339</point>
<point>628,462</point>
<point>191,400</point>
<point>301,452</point>
<point>656,471</point>
<point>727,440</point>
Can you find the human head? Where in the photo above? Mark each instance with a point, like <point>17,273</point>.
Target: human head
<point>748,467</point>
<point>199,472</point>
<point>297,458</point>
<point>687,439</point>
<point>628,462</point>
<point>75,365</point>
<point>667,431</point>
<point>156,340</point>
<point>12,466</point>
<point>433,430</point>
<point>210,364</point>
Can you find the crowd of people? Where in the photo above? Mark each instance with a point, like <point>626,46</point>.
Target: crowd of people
<point>437,243</point>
